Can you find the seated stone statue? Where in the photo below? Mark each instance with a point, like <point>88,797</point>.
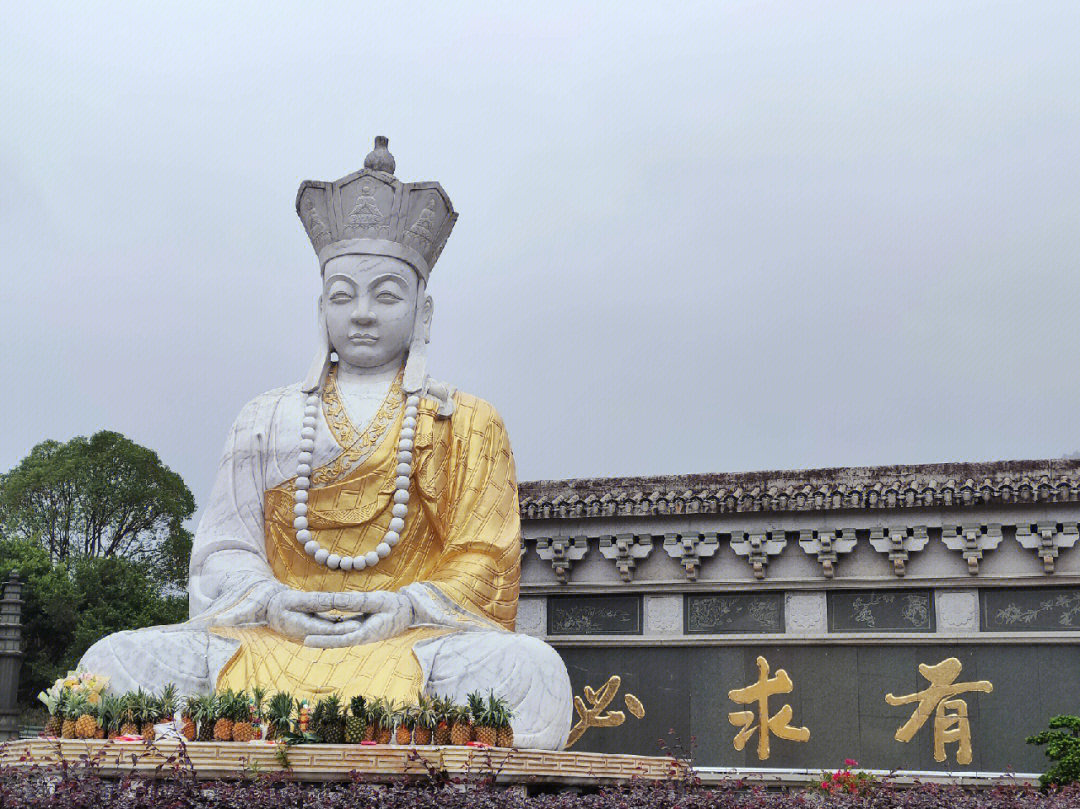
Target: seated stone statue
<point>363,534</point>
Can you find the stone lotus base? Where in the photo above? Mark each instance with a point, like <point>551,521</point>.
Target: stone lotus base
<point>337,762</point>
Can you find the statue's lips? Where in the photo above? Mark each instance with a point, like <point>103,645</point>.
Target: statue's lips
<point>363,339</point>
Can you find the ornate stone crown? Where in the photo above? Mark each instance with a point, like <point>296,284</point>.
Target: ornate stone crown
<point>371,212</point>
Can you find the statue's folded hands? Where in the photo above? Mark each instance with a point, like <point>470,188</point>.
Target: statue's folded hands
<point>388,615</point>
<point>296,614</point>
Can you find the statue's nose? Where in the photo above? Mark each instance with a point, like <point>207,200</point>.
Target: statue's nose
<point>363,313</point>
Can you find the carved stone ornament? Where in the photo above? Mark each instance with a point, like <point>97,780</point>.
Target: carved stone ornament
<point>1046,539</point>
<point>758,547</point>
<point>827,546</point>
<point>690,549</point>
<point>899,542</point>
<point>562,552</point>
<point>971,541</point>
<point>625,550</point>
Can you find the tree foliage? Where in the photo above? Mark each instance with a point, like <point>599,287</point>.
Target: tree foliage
<point>1062,742</point>
<point>94,527</point>
<point>70,605</point>
<point>102,496</point>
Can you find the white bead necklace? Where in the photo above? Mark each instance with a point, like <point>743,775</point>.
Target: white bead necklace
<point>401,491</point>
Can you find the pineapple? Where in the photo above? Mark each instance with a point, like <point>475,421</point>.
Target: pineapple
<point>477,706</point>
<point>223,722</point>
<point>167,703</point>
<point>370,710</point>
<point>109,714</point>
<point>383,711</point>
<point>258,712</point>
<point>128,726</point>
<point>505,730</point>
<point>243,712</point>
<point>205,714</point>
<point>188,728</point>
<point>73,708</point>
<point>86,726</point>
<point>279,715</point>
<point>443,707</point>
<point>460,726</point>
<point>315,719</point>
<point>405,720</point>
<point>145,710</point>
<point>55,723</point>
<point>355,722</point>
<point>329,727</point>
<point>486,721</point>
<point>425,720</point>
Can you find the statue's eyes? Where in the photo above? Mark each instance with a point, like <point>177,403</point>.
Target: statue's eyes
<point>340,297</point>
<point>389,297</point>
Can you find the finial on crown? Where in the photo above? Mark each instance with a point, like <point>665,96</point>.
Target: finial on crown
<point>380,158</point>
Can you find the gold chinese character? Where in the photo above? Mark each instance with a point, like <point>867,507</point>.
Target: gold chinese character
<point>595,716</point>
<point>778,724</point>
<point>950,715</point>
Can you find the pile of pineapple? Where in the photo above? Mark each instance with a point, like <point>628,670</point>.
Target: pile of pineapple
<point>244,716</point>
<point>428,720</point>
<point>75,714</point>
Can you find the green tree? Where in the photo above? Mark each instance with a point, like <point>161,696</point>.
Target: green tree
<point>94,528</point>
<point>70,605</point>
<point>102,496</point>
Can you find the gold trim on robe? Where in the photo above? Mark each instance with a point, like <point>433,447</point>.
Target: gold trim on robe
<point>462,536</point>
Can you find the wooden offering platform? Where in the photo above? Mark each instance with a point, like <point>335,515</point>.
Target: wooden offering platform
<point>341,762</point>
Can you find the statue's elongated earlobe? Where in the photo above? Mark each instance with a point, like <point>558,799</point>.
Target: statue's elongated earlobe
<point>416,364</point>
<point>316,375</point>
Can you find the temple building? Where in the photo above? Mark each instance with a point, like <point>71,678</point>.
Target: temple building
<point>903,616</point>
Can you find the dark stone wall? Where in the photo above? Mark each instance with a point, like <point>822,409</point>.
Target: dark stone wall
<point>839,694</point>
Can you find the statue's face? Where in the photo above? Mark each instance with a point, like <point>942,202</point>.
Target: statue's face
<point>370,306</point>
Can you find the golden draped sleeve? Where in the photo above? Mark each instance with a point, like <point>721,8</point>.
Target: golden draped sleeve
<point>462,536</point>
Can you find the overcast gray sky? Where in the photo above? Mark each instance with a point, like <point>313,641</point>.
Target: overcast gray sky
<point>693,237</point>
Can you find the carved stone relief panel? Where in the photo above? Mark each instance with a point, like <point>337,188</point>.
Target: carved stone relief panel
<point>532,617</point>
<point>594,615</point>
<point>1036,609</point>
<point>957,611</point>
<point>881,611</point>
<point>719,613</point>
<point>663,614</point>
<point>805,613</point>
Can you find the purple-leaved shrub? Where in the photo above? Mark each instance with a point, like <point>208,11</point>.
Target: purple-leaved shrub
<point>81,786</point>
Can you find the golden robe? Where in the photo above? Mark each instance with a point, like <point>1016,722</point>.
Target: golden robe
<point>462,538</point>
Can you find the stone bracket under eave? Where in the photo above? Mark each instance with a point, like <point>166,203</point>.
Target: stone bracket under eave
<point>689,549</point>
<point>971,540</point>
<point>899,542</point>
<point>624,550</point>
<point>562,552</point>
<point>1046,539</point>
<point>758,547</point>
<point>827,546</point>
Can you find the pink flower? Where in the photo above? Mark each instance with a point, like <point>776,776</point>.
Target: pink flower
<point>850,762</point>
